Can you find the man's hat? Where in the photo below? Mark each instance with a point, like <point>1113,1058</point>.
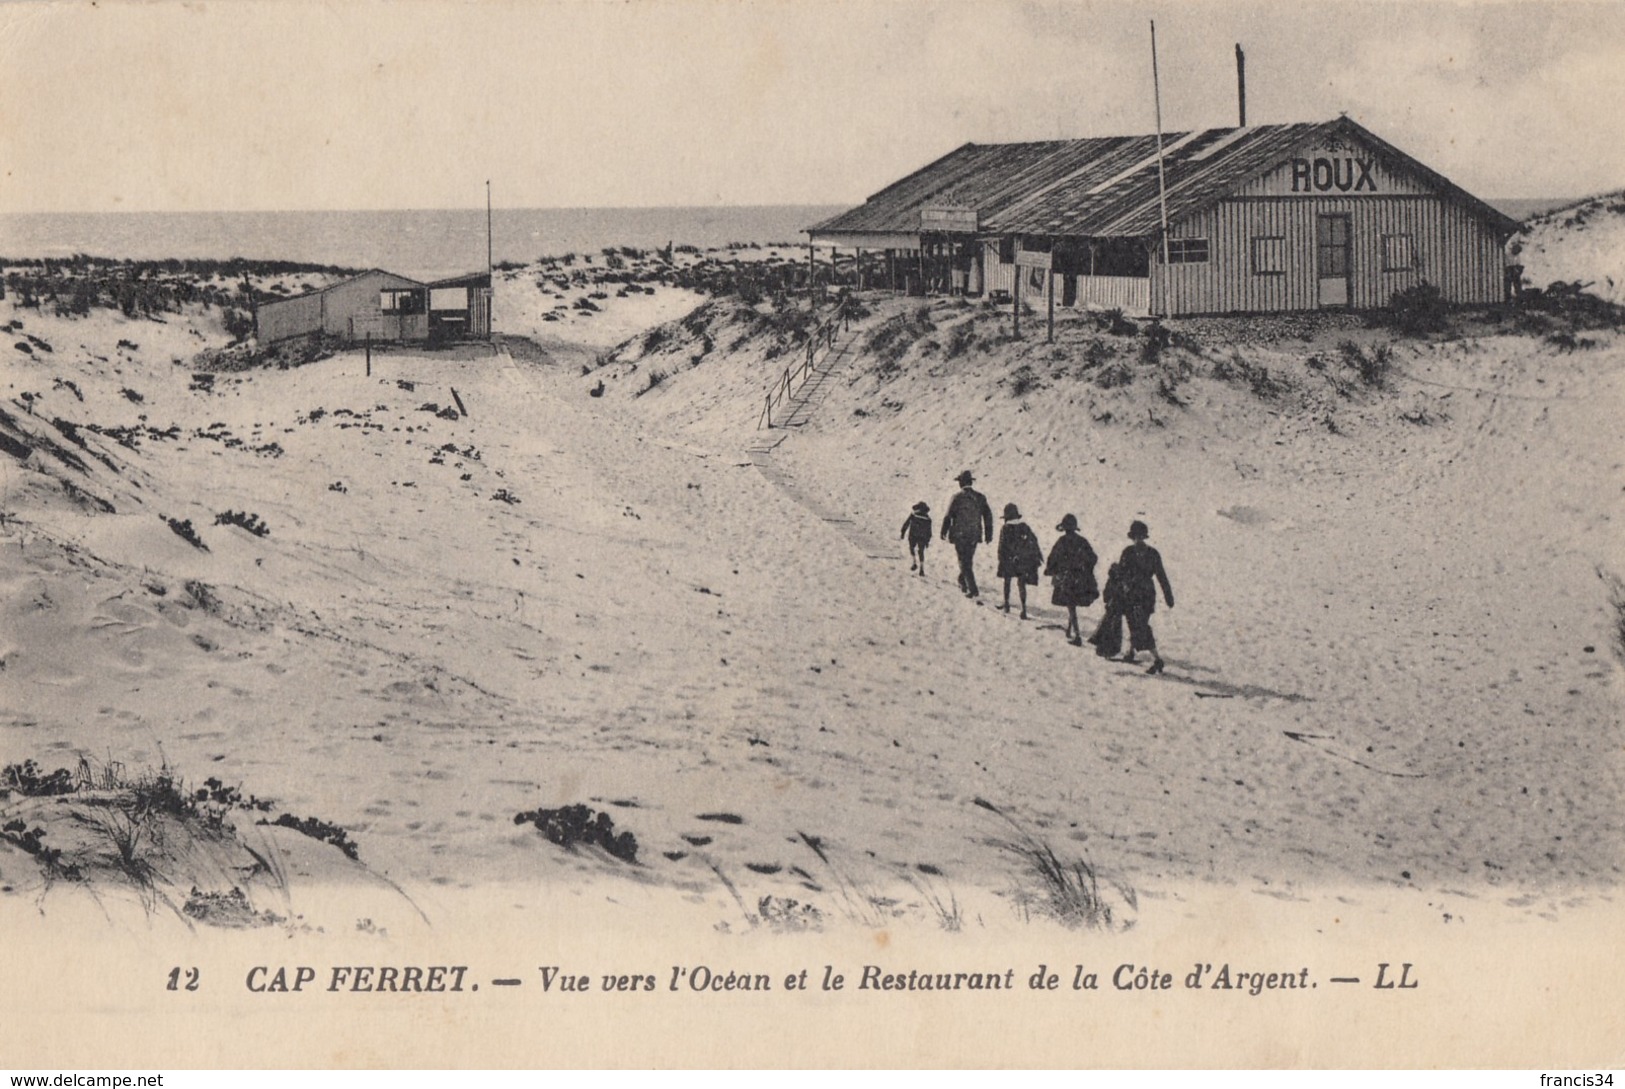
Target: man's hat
<point>921,508</point>
<point>1137,531</point>
<point>964,478</point>
<point>1011,514</point>
<point>1069,521</point>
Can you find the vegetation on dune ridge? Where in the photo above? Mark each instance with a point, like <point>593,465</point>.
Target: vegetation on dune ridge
<point>1576,213</point>
<point>178,846</point>
<point>1307,363</point>
<point>775,330</point>
<point>74,286</point>
<point>233,268</point>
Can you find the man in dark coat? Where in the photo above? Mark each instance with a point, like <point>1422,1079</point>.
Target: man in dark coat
<point>1141,569</point>
<point>968,523</point>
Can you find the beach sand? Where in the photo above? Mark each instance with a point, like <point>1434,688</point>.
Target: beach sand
<point>1393,664</point>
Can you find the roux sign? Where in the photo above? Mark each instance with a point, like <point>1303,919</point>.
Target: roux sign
<point>1342,174</point>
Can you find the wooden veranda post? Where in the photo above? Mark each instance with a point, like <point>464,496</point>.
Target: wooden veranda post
<point>369,353</point>
<point>1049,335</point>
<point>1015,298</point>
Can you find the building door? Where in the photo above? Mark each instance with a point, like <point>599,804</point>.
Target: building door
<point>1332,259</point>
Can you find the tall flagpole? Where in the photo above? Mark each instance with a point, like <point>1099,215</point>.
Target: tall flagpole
<point>1162,176</point>
<point>490,269</point>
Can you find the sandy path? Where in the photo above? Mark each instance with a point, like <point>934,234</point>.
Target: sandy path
<point>661,629</point>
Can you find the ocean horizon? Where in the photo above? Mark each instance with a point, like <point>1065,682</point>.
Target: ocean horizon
<point>423,243</point>
<point>429,243</point>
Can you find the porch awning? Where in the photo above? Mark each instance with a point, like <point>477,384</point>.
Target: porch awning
<point>866,240</point>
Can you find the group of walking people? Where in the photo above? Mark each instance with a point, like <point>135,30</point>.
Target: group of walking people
<point>1130,593</point>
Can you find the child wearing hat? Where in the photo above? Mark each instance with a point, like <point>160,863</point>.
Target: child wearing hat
<point>917,528</point>
<point>1019,556</point>
<point>1071,568</point>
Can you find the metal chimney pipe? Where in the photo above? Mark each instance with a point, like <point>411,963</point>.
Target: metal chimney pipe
<point>1241,83</point>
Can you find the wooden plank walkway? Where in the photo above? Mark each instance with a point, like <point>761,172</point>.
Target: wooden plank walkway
<point>872,546</point>
<point>805,402</point>
<point>818,384</point>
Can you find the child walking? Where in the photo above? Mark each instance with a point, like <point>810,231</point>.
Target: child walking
<point>1071,567</point>
<point>917,528</point>
<point>1019,556</point>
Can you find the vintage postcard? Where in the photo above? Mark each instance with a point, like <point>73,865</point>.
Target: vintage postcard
<point>775,534</point>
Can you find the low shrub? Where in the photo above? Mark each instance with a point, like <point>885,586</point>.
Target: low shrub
<point>573,824</point>
<point>1419,310</point>
<point>250,522</point>
<point>1374,367</point>
<point>27,780</point>
<point>1023,381</point>
<point>319,829</point>
<point>1157,340</point>
<point>183,529</point>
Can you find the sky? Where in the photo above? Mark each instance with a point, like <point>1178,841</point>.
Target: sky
<point>288,104</point>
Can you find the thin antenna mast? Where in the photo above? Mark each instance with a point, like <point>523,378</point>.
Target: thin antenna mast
<point>490,268</point>
<point>1162,174</point>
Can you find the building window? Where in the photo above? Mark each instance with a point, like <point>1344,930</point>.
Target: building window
<point>1007,250</point>
<point>1187,251</point>
<point>1269,255</point>
<point>401,301</point>
<point>1398,253</point>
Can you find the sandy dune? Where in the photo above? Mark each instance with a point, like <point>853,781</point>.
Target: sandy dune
<point>1392,663</point>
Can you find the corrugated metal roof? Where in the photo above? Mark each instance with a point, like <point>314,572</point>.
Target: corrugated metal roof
<point>405,282</point>
<point>1106,187</point>
<point>467,279</point>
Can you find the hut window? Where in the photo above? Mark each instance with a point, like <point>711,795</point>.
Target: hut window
<point>1398,253</point>
<point>1007,250</point>
<point>1187,251</point>
<point>1269,255</point>
<point>399,302</point>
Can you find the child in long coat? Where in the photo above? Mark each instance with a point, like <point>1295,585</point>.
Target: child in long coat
<point>1108,636</point>
<point>917,528</point>
<point>1071,568</point>
<point>1019,556</point>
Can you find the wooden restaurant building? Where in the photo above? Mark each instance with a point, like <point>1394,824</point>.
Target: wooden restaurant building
<point>1258,219</point>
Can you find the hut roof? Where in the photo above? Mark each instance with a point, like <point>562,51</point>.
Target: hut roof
<point>468,279</point>
<point>399,281</point>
